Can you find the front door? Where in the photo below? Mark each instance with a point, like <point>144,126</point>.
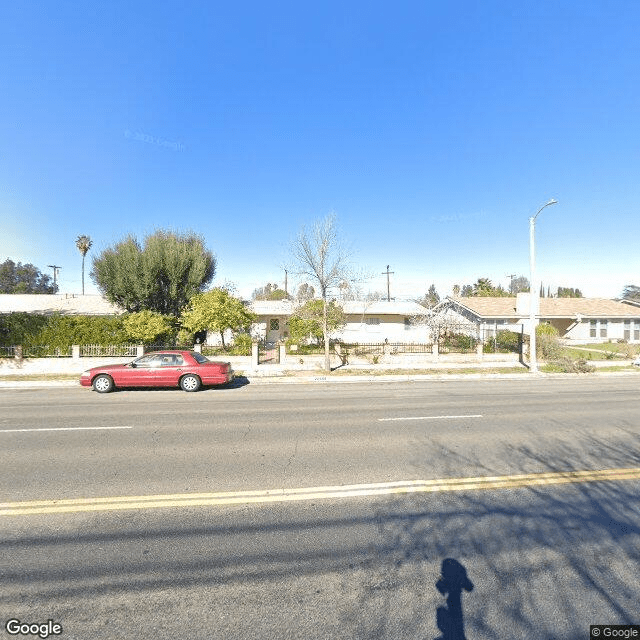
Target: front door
<point>274,330</point>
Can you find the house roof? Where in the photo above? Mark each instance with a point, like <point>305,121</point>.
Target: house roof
<point>635,303</point>
<point>65,303</point>
<point>549,308</point>
<point>272,307</point>
<point>383,307</point>
<point>350,307</point>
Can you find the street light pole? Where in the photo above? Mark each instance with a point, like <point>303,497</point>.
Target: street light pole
<point>533,360</point>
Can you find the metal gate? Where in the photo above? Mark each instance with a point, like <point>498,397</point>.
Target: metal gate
<point>268,352</point>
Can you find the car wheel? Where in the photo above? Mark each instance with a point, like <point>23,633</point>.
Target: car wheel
<point>190,383</point>
<point>103,384</point>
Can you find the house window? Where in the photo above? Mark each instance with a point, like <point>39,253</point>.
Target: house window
<point>593,329</point>
<point>603,328</point>
<point>627,329</point>
<point>407,324</point>
<point>372,320</point>
<point>636,330</point>
<point>274,324</point>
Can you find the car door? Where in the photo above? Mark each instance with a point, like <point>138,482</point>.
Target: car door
<point>170,370</point>
<point>142,373</point>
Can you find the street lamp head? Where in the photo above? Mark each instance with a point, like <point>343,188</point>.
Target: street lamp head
<point>552,201</point>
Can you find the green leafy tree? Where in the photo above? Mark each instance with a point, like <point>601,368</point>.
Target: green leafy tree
<point>485,288</point>
<point>467,291</point>
<point>216,310</point>
<point>269,292</point>
<point>24,278</point>
<point>431,298</point>
<point>162,275</point>
<point>569,292</point>
<point>147,327</point>
<point>307,321</point>
<point>84,244</point>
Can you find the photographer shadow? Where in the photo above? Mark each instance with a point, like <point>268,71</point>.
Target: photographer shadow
<point>452,581</point>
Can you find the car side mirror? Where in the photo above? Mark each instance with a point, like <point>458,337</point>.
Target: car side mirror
<point>133,365</point>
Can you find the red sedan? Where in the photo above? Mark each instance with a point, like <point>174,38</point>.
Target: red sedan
<point>188,370</point>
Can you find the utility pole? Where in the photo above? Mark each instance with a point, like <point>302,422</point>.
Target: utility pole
<point>285,281</point>
<point>388,286</point>
<point>55,268</point>
<point>511,276</point>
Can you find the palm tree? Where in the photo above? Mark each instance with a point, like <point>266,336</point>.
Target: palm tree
<point>84,244</point>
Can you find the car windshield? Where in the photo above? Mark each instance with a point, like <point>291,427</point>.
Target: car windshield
<point>199,358</point>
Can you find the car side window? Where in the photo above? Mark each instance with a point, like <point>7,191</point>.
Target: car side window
<point>149,361</point>
<point>171,360</point>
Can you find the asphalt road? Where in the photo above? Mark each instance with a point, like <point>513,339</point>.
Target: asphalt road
<point>544,561</point>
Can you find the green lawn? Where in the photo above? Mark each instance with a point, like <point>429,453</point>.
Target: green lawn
<point>604,351</point>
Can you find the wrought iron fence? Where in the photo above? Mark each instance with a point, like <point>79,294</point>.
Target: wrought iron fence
<point>45,351</point>
<point>161,346</point>
<point>382,348</point>
<point>100,350</point>
<point>7,352</point>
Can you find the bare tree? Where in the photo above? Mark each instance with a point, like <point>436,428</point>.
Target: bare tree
<point>322,259</point>
<point>84,244</point>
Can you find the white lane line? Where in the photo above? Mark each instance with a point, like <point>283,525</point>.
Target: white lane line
<point>61,429</point>
<point>430,418</point>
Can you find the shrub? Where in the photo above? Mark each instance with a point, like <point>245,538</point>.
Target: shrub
<point>508,341</point>
<point>459,342</point>
<point>147,327</point>
<point>241,344</point>
<point>15,328</point>
<point>63,331</point>
<point>548,346</point>
<point>567,365</point>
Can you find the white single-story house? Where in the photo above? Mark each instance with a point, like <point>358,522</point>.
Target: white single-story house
<point>366,321</point>
<point>64,303</point>
<point>578,320</point>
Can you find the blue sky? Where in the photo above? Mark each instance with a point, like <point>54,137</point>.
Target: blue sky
<point>432,130</point>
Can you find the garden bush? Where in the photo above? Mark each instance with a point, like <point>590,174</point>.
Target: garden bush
<point>458,342</point>
<point>504,341</point>
<point>15,328</point>
<point>63,331</point>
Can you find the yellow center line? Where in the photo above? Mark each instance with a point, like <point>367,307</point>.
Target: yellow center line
<point>73,505</point>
